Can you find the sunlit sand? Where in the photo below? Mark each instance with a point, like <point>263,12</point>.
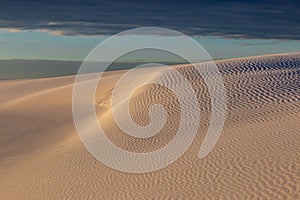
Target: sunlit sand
<point>257,155</point>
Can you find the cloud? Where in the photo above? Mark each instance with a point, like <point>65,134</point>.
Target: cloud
<point>271,42</point>
<point>5,39</point>
<point>248,44</point>
<point>233,19</point>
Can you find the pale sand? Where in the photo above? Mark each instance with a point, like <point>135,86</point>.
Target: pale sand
<point>257,155</point>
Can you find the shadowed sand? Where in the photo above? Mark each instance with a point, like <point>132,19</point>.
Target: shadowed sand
<point>257,155</point>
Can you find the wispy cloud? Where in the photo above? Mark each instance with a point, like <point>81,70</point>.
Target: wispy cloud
<point>5,39</point>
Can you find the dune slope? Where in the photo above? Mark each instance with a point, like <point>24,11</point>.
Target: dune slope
<point>257,155</point>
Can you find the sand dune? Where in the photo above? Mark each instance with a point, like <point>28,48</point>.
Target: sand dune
<point>256,157</point>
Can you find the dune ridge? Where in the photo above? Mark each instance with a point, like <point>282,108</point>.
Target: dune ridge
<point>256,157</point>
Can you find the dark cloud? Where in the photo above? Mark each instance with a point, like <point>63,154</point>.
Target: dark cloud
<point>234,19</point>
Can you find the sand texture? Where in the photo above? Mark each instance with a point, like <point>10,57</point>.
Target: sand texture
<point>256,157</point>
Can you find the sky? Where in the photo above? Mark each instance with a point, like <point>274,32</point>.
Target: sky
<point>69,30</point>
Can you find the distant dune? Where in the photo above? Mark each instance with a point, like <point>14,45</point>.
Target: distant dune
<point>24,69</point>
<point>256,157</point>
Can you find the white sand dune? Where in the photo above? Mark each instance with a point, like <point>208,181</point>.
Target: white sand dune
<point>256,157</point>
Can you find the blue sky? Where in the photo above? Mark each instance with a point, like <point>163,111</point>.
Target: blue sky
<point>43,45</point>
<point>69,29</point>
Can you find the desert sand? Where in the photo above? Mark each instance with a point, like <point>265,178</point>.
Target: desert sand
<point>256,156</point>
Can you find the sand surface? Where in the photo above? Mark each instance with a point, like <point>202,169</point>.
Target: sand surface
<point>257,155</point>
